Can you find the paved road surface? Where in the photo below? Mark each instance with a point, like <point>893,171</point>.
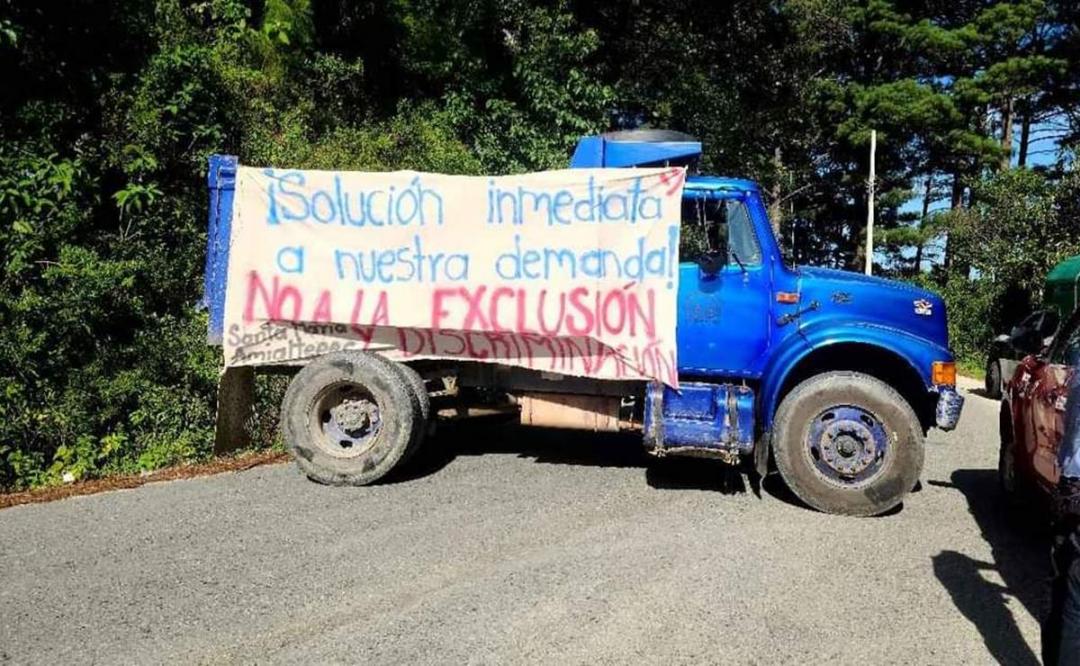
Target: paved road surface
<point>520,547</point>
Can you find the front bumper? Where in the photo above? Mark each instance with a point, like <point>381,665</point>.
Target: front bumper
<point>949,405</point>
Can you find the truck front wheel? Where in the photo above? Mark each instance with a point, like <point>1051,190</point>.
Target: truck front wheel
<point>348,418</point>
<point>847,443</point>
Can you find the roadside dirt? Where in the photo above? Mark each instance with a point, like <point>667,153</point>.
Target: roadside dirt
<point>92,486</point>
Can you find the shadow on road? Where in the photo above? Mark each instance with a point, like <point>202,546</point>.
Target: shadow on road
<point>570,447</point>
<point>575,447</point>
<point>1019,545</point>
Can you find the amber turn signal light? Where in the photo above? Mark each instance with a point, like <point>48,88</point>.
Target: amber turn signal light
<point>943,373</point>
<point>787,297</point>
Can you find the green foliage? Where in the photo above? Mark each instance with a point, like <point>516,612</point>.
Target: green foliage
<point>975,312</point>
<point>1014,235</point>
<point>104,362</point>
<point>530,116</point>
<point>1022,224</point>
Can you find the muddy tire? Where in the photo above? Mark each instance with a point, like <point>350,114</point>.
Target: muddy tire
<point>421,407</point>
<point>993,379</point>
<point>348,418</point>
<point>847,443</point>
<point>1013,488</point>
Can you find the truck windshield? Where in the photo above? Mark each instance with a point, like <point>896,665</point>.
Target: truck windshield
<point>712,227</point>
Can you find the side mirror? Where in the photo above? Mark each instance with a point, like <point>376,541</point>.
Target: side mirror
<point>710,264</point>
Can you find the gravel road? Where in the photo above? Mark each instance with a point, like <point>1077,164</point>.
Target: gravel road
<point>519,546</point>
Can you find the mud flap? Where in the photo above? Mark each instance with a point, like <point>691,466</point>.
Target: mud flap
<point>761,454</point>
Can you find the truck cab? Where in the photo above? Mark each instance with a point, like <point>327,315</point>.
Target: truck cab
<point>838,374</point>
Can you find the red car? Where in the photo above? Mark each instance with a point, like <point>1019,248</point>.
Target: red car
<point>1033,415</point>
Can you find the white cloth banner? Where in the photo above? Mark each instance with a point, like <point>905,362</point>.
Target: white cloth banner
<point>573,272</point>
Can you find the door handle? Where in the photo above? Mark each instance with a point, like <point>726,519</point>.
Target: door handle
<point>792,316</point>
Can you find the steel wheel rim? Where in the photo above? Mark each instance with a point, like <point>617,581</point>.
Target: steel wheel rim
<point>847,446</point>
<point>346,420</point>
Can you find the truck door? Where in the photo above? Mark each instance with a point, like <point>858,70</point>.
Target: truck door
<point>724,287</point>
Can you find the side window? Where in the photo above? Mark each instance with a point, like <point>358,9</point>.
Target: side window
<point>1036,322</point>
<point>718,228</point>
<point>1066,349</point>
<point>1049,323</point>
<point>743,244</point>
<point>1028,323</point>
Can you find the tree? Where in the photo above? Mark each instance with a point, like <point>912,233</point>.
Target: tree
<point>109,121</point>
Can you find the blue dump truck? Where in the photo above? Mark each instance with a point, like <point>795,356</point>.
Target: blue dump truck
<point>830,377</point>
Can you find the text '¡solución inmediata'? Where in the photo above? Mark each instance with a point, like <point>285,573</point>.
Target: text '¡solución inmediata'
<point>292,199</point>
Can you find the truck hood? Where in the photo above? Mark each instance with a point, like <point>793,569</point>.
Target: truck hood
<point>869,300</point>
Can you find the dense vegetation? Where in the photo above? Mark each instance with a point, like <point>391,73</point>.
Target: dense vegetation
<point>110,109</point>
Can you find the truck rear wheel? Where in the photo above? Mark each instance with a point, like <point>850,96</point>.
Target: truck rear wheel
<point>349,417</point>
<point>421,407</point>
<point>847,443</point>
